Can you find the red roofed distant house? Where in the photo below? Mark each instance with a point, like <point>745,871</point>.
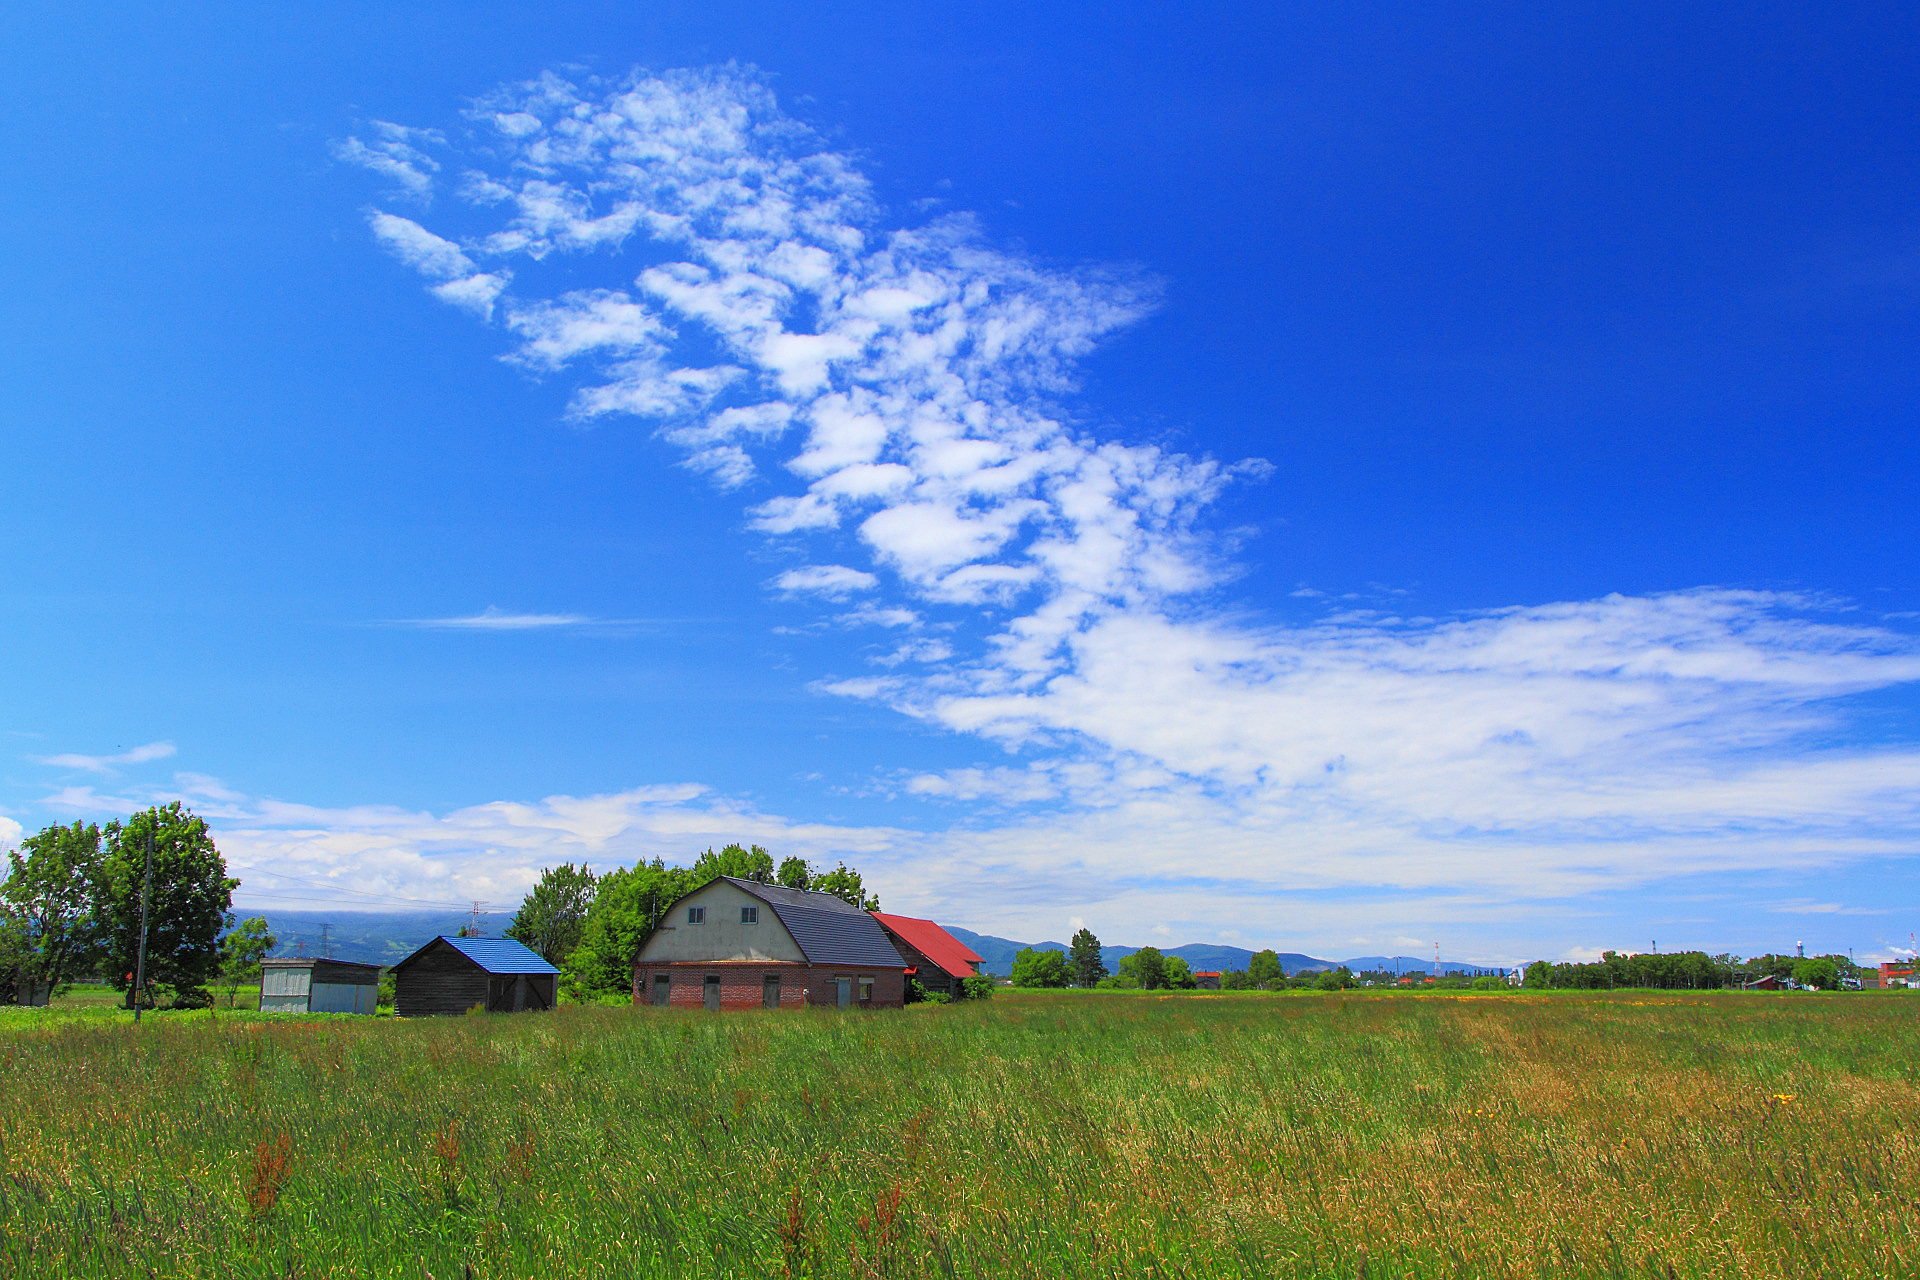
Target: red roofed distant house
<point>1207,980</point>
<point>936,959</point>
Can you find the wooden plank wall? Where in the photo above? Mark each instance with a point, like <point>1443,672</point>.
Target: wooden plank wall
<point>441,981</point>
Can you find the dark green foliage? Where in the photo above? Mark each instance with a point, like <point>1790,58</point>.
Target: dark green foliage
<point>190,899</point>
<point>844,883</point>
<point>627,904</point>
<point>794,873</point>
<point>554,913</point>
<point>1264,968</point>
<point>1678,970</point>
<point>50,927</point>
<point>1145,968</point>
<point>1032,968</point>
<point>1179,973</point>
<point>976,986</point>
<point>1236,980</point>
<point>754,864</point>
<point>1083,959</point>
<point>1338,978</point>
<point>1817,972</point>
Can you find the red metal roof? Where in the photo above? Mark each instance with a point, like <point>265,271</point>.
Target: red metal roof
<point>933,942</point>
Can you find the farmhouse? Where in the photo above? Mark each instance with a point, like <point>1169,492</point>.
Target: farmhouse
<point>453,975</point>
<point>936,959</point>
<point>736,944</point>
<point>293,984</point>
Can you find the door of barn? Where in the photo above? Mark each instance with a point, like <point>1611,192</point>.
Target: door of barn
<point>712,993</point>
<point>770,992</point>
<point>662,989</point>
<point>843,991</point>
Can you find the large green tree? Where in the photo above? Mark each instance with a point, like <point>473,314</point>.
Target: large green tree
<point>1264,968</point>
<point>49,899</point>
<point>843,882</point>
<point>627,904</point>
<point>1145,968</point>
<point>1083,959</point>
<point>1179,973</point>
<point>1035,968</point>
<point>191,896</point>
<point>794,873</point>
<point>754,864</point>
<point>553,915</point>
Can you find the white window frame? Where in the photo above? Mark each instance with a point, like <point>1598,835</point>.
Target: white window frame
<point>696,915</point>
<point>749,915</point>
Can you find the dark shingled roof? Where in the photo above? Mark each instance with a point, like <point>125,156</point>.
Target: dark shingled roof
<point>827,929</point>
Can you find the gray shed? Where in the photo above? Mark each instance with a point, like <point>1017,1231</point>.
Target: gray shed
<point>304,985</point>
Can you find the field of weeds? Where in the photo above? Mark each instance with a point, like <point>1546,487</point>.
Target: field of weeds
<point>1045,1134</point>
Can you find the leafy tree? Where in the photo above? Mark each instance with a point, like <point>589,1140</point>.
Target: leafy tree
<point>1083,959</point>
<point>50,895</point>
<point>554,913</point>
<point>1032,968</point>
<point>16,957</point>
<point>754,864</point>
<point>1817,972</point>
<point>1147,968</point>
<point>794,873</point>
<point>241,952</point>
<point>1180,974</point>
<point>1338,978</point>
<point>188,907</point>
<point>627,904</point>
<point>1236,980</point>
<point>843,882</point>
<point>1264,968</point>
<point>1539,974</point>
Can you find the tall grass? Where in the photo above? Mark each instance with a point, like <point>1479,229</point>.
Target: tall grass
<point>1042,1135</point>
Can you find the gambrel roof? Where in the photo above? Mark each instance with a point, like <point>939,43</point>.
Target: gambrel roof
<point>827,929</point>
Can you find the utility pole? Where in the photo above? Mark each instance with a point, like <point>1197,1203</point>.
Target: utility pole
<point>473,918</point>
<point>146,892</point>
<point>326,945</point>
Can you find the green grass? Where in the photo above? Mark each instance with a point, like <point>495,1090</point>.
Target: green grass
<point>1622,1134</point>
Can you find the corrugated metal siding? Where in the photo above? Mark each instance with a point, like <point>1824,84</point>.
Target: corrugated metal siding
<point>285,982</point>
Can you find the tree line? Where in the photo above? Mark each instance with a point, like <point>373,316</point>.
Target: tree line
<point>1150,969</point>
<point>70,909</point>
<point>1691,971</point>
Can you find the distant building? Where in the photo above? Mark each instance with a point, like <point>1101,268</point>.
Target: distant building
<point>296,984</point>
<point>1517,976</point>
<point>739,944</point>
<point>1207,979</point>
<point>1766,982</point>
<point>936,959</point>
<point>1897,973</point>
<point>453,975</point>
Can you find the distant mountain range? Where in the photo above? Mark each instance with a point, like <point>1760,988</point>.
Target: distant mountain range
<point>389,937</point>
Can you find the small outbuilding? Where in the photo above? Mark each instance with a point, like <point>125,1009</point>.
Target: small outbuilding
<point>1208,979</point>
<point>300,984</point>
<point>739,944</point>
<point>453,975</point>
<point>938,961</point>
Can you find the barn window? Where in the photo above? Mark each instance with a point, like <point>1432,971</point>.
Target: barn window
<point>696,915</point>
<point>749,915</point>
<point>866,991</point>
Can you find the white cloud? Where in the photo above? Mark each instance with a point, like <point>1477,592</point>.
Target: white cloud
<point>832,581</point>
<point>395,154</point>
<point>109,764</point>
<point>493,619</point>
<point>905,385</point>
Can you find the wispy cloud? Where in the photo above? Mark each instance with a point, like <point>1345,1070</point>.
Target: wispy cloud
<point>831,581</point>
<point>110,763</point>
<point>493,619</point>
<point>901,388</point>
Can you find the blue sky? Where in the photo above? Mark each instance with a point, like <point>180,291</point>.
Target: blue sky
<point>1345,481</point>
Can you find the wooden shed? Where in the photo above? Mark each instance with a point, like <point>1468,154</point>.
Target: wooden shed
<point>453,975</point>
<point>291,984</point>
<point>940,962</point>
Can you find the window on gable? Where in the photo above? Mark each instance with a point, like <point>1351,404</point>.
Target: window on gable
<point>749,915</point>
<point>696,915</point>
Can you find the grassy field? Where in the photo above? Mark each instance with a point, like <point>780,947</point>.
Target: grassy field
<point>1059,1134</point>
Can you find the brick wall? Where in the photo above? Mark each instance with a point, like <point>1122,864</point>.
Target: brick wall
<point>741,984</point>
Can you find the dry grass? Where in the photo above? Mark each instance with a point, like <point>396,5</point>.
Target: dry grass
<point>1725,1135</point>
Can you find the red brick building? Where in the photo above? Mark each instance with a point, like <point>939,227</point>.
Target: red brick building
<point>736,944</point>
<point>1897,973</point>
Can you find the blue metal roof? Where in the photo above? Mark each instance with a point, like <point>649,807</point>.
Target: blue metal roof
<point>496,955</point>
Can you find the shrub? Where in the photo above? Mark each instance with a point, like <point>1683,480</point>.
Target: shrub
<point>978,986</point>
